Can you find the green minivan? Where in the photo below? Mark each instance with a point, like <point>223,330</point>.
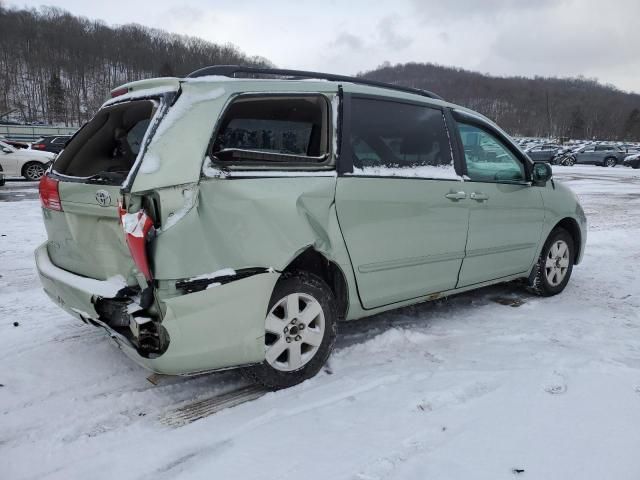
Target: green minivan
<point>231,218</point>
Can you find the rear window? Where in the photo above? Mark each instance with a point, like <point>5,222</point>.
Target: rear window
<point>109,144</point>
<point>279,129</point>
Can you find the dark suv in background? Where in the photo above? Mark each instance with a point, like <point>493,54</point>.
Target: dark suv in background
<point>599,154</point>
<point>53,144</point>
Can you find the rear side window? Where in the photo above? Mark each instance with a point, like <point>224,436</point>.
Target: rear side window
<point>398,139</point>
<point>109,144</point>
<point>274,129</point>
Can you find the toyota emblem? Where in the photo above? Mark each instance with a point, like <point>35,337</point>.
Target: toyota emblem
<point>103,198</point>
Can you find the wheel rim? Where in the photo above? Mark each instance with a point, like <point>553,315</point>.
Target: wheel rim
<point>35,172</point>
<point>294,331</point>
<point>610,162</point>
<point>557,263</point>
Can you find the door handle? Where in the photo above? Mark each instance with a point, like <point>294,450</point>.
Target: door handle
<point>478,196</point>
<point>455,196</point>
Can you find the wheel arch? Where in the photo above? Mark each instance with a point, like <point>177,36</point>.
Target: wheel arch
<point>571,226</point>
<point>312,261</point>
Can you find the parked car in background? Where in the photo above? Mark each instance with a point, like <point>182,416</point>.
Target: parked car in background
<point>597,154</point>
<point>53,144</point>
<point>13,143</point>
<point>543,153</point>
<point>212,222</point>
<point>23,162</point>
<point>632,161</point>
<point>630,148</point>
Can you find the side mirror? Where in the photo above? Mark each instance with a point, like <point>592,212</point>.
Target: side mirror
<point>542,173</point>
<point>7,150</point>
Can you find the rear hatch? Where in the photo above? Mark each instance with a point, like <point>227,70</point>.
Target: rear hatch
<point>90,177</point>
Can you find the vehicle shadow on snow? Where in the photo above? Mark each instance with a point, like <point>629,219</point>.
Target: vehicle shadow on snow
<point>422,315</point>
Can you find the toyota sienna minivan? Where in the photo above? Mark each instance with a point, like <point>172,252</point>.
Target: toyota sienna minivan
<point>231,218</point>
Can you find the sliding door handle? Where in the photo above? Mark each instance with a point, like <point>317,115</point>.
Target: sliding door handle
<point>478,196</point>
<point>455,196</point>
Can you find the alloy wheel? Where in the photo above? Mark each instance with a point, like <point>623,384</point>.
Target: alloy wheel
<point>294,331</point>
<point>557,263</point>
<point>34,171</point>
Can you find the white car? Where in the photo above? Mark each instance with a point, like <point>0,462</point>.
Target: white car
<point>30,164</point>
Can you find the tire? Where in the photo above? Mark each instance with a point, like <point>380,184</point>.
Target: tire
<point>569,162</point>
<point>2,181</point>
<point>636,166</point>
<point>610,162</point>
<point>553,270</point>
<point>284,336</point>
<point>33,171</point>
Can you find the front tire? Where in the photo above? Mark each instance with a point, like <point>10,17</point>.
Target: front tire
<point>609,162</point>
<point>300,331</point>
<point>555,264</point>
<point>569,162</point>
<point>33,171</point>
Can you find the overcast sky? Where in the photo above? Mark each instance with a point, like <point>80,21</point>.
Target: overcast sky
<point>593,38</point>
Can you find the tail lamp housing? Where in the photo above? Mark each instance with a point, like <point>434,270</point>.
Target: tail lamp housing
<point>49,193</point>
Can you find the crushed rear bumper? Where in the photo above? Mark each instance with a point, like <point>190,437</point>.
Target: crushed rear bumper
<point>216,328</point>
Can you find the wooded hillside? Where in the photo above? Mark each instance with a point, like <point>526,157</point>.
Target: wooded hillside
<point>577,108</point>
<point>58,68</point>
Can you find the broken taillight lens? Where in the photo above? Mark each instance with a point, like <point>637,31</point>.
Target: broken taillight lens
<point>49,195</point>
<point>136,228</point>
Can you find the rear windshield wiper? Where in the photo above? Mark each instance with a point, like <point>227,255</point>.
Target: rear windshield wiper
<point>108,177</point>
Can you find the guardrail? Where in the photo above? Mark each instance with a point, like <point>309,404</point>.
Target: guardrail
<point>29,133</point>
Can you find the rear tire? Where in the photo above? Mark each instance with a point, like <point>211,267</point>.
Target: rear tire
<point>33,171</point>
<point>553,270</point>
<point>610,162</point>
<point>300,331</point>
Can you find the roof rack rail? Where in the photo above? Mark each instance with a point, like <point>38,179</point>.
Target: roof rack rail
<point>232,70</point>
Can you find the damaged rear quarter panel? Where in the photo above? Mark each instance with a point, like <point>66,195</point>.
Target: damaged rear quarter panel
<point>249,222</point>
<point>236,223</point>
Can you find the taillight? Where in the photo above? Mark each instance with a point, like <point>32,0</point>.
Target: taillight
<point>49,195</point>
<point>38,146</point>
<point>136,228</point>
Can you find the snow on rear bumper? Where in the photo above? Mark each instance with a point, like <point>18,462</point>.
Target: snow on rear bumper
<point>72,292</point>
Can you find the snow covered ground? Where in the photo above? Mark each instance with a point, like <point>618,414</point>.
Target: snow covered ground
<point>479,386</point>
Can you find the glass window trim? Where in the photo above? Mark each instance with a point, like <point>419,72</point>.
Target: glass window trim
<point>345,161</point>
<point>469,119</point>
<point>297,162</point>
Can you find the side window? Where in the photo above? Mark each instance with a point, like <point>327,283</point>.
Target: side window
<point>397,139</point>
<point>274,129</point>
<point>488,159</point>
<point>589,149</point>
